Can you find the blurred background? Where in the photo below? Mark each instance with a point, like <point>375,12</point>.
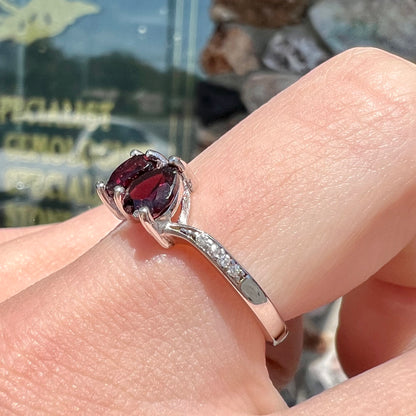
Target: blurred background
<point>83,82</point>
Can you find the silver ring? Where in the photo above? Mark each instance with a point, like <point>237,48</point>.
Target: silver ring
<point>151,189</point>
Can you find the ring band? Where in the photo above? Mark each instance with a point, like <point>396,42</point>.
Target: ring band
<point>151,189</point>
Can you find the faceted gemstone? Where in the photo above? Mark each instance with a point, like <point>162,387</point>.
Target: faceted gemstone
<point>127,172</point>
<point>234,271</point>
<point>155,189</point>
<point>203,240</point>
<point>216,251</point>
<point>145,185</point>
<point>224,260</point>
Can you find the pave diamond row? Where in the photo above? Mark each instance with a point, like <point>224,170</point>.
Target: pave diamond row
<point>217,254</point>
<point>236,275</point>
<point>246,286</point>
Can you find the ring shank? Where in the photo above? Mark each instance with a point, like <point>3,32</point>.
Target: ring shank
<point>272,324</point>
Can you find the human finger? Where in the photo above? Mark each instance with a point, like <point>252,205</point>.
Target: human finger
<point>377,323</point>
<point>7,234</point>
<point>282,362</point>
<point>304,200</point>
<point>386,390</point>
<point>134,330</point>
<point>334,180</point>
<point>377,318</point>
<point>37,253</point>
<point>401,270</point>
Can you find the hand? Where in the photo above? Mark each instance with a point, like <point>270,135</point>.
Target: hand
<point>315,193</point>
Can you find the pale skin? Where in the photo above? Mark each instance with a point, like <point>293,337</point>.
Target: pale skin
<point>315,194</point>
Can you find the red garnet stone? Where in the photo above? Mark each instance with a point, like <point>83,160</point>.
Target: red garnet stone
<point>145,185</point>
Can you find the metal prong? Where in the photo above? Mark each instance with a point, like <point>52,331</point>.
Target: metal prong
<point>100,186</point>
<point>157,157</point>
<point>185,207</point>
<point>189,177</point>
<point>119,192</point>
<point>183,168</point>
<point>135,152</point>
<point>150,225</point>
<point>178,163</point>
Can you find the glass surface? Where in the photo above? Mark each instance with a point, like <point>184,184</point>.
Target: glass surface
<point>81,84</point>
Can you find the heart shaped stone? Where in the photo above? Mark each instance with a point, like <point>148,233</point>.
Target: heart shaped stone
<point>146,185</point>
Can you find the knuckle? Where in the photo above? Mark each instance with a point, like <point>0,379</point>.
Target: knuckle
<point>364,100</point>
<point>384,79</point>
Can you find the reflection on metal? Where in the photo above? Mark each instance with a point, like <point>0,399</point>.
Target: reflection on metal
<point>40,19</point>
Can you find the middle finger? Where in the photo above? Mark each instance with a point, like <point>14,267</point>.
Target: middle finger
<point>32,256</point>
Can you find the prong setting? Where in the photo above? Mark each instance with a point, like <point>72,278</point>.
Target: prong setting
<point>178,163</point>
<point>135,152</point>
<point>116,199</point>
<point>119,193</point>
<point>128,179</point>
<point>189,178</point>
<point>157,157</point>
<point>100,187</point>
<point>187,174</point>
<point>152,226</point>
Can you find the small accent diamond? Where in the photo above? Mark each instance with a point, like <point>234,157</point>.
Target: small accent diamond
<point>224,260</point>
<point>203,241</point>
<point>235,271</point>
<point>215,250</point>
<point>199,238</point>
<point>221,253</point>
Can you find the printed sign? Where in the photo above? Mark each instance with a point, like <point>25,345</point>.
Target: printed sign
<point>81,84</point>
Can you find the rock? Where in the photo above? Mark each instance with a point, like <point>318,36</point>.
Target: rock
<point>230,49</point>
<point>261,86</point>
<point>262,13</point>
<point>205,137</point>
<point>386,24</point>
<point>228,80</point>
<point>214,102</point>
<point>259,36</point>
<point>294,49</point>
